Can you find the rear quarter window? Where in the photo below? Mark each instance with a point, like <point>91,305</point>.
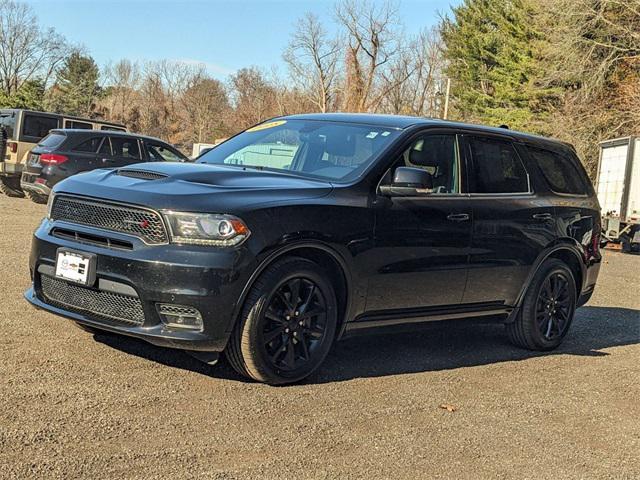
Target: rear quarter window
<point>560,171</point>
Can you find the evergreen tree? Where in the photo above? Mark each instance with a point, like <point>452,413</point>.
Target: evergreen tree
<point>29,95</point>
<point>493,52</point>
<point>76,89</point>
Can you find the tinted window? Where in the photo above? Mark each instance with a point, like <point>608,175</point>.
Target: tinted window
<point>496,167</point>
<point>160,153</point>
<point>88,146</point>
<point>559,171</point>
<point>52,140</point>
<point>105,148</point>
<point>8,121</point>
<point>112,129</point>
<point>437,155</point>
<point>76,124</point>
<point>38,126</point>
<point>315,148</point>
<point>125,147</point>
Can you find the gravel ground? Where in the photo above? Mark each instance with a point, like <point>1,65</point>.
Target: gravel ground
<point>79,406</point>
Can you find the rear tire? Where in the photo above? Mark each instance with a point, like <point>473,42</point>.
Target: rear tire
<point>10,186</point>
<point>287,325</point>
<point>36,197</point>
<point>547,309</point>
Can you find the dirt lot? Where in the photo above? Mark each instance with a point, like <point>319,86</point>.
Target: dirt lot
<point>74,405</point>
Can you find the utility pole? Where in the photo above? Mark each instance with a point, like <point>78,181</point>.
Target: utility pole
<point>446,100</point>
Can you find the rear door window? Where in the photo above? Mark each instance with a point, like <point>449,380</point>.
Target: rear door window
<point>559,171</point>
<point>105,148</point>
<point>35,127</point>
<point>497,168</point>
<point>125,147</point>
<point>112,129</point>
<point>88,146</point>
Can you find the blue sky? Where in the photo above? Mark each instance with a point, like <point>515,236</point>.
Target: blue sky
<point>223,35</point>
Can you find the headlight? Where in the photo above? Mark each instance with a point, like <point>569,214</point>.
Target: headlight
<point>50,205</point>
<point>206,229</point>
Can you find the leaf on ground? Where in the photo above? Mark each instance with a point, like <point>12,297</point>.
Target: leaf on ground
<point>448,407</point>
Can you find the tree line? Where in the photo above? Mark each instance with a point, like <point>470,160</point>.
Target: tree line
<point>565,68</point>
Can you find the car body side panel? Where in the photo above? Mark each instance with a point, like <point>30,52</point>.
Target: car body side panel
<point>506,241</point>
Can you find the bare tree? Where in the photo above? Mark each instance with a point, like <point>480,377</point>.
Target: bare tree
<point>372,42</point>
<point>413,83</point>
<point>254,98</point>
<point>313,58</point>
<point>204,109</point>
<point>26,51</point>
<point>122,81</point>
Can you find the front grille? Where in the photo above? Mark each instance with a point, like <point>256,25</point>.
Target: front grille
<point>100,240</point>
<point>144,224</point>
<point>97,304</point>
<point>141,174</point>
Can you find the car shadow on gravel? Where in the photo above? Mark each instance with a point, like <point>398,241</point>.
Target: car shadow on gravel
<point>432,347</point>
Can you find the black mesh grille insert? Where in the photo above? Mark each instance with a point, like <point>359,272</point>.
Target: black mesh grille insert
<point>97,304</point>
<point>144,224</point>
<point>141,174</point>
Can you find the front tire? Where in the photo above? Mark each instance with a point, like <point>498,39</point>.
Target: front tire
<point>287,324</point>
<point>547,309</point>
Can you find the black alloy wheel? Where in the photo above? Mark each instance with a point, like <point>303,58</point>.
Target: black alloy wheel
<point>295,324</point>
<point>547,309</point>
<point>554,307</point>
<point>287,325</point>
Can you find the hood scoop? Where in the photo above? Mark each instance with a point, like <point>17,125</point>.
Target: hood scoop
<point>141,174</point>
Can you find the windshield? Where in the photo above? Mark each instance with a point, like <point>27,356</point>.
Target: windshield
<point>8,122</point>
<point>316,148</point>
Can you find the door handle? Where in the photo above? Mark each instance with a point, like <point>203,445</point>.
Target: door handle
<point>458,217</point>
<point>542,216</point>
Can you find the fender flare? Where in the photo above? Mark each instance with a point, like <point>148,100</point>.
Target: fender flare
<point>281,252</point>
<point>570,246</point>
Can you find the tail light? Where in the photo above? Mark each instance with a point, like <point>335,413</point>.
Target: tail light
<point>52,159</point>
<point>13,147</point>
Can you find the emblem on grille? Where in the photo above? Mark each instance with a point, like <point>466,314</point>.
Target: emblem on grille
<point>136,223</point>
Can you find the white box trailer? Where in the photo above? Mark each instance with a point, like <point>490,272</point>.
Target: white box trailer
<point>618,187</point>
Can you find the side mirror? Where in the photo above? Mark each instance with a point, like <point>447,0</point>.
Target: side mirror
<point>408,181</point>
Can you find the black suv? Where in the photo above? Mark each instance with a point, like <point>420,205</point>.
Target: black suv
<point>66,152</point>
<point>307,228</point>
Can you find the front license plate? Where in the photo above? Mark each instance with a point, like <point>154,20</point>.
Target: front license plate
<point>77,267</point>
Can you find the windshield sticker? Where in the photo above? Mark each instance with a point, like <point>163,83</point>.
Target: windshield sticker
<point>385,134</point>
<point>264,126</point>
<point>372,134</point>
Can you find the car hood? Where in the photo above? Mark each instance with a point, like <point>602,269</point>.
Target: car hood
<point>193,187</point>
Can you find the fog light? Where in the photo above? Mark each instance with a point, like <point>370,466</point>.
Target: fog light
<point>180,316</point>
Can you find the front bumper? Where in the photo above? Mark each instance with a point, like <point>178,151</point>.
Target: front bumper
<point>210,280</point>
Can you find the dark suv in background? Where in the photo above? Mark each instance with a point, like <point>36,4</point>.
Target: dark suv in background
<point>307,228</point>
<point>66,152</point>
